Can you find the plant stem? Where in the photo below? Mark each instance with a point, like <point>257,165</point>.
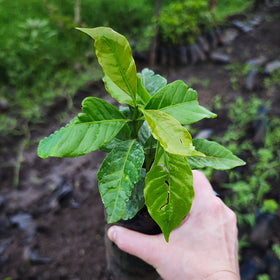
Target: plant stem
<point>135,123</point>
<point>150,156</point>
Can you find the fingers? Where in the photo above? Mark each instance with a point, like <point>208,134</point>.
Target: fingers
<point>146,247</point>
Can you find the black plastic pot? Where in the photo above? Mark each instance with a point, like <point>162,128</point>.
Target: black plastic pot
<point>123,266</point>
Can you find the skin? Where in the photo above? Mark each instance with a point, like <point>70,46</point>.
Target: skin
<point>205,246</point>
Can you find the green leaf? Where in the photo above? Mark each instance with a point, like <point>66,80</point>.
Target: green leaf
<point>152,82</point>
<point>91,130</point>
<point>96,109</point>
<point>136,200</point>
<point>144,134</point>
<point>118,174</point>
<point>121,96</point>
<point>173,137</point>
<point>114,55</point>
<point>143,96</point>
<point>169,190</point>
<point>179,101</point>
<point>216,156</point>
<point>123,135</point>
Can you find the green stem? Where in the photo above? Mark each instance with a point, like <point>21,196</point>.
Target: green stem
<point>150,156</point>
<point>135,123</point>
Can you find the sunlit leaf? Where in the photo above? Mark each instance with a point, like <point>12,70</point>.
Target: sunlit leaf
<point>114,55</point>
<point>173,137</point>
<point>169,190</point>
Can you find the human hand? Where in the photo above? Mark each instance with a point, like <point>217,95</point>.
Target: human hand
<point>203,247</point>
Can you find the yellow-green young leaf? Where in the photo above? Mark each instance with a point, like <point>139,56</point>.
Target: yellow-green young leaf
<point>216,156</point>
<point>173,137</point>
<point>118,174</point>
<point>91,130</point>
<point>179,101</point>
<point>169,190</point>
<point>114,55</point>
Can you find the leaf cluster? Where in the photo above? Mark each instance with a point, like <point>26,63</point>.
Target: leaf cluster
<point>151,154</point>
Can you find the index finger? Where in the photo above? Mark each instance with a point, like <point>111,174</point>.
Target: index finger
<point>202,188</point>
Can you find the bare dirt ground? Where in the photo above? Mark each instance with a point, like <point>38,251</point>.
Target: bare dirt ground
<point>52,225</point>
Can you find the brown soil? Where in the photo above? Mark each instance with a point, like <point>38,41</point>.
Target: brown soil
<point>69,229</point>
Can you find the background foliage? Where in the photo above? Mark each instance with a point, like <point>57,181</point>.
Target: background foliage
<point>44,58</point>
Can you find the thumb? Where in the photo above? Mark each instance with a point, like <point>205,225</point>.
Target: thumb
<point>143,246</point>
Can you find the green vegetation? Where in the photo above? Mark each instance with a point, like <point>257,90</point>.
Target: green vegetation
<point>43,57</point>
<point>263,277</point>
<point>227,8</point>
<point>151,153</point>
<point>250,191</point>
<point>182,22</point>
<point>276,249</point>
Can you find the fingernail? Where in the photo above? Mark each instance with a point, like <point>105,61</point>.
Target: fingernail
<point>112,233</point>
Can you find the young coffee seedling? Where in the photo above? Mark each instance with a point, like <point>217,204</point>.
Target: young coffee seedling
<point>150,153</point>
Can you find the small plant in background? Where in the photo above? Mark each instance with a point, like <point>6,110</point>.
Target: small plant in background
<point>150,151</point>
<point>269,206</point>
<point>276,250</point>
<point>34,39</point>
<point>183,22</point>
<point>254,135</point>
<point>263,277</point>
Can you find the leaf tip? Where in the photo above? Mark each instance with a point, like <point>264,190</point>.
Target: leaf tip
<point>242,162</point>
<point>166,236</point>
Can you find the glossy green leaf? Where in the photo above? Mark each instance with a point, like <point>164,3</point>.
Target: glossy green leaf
<point>91,130</point>
<point>136,200</point>
<point>144,133</point>
<point>173,137</point>
<point>216,156</point>
<point>121,96</point>
<point>123,135</point>
<point>179,101</point>
<point>114,55</point>
<point>118,174</point>
<point>152,82</point>
<point>142,96</point>
<point>169,190</point>
<point>96,109</point>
